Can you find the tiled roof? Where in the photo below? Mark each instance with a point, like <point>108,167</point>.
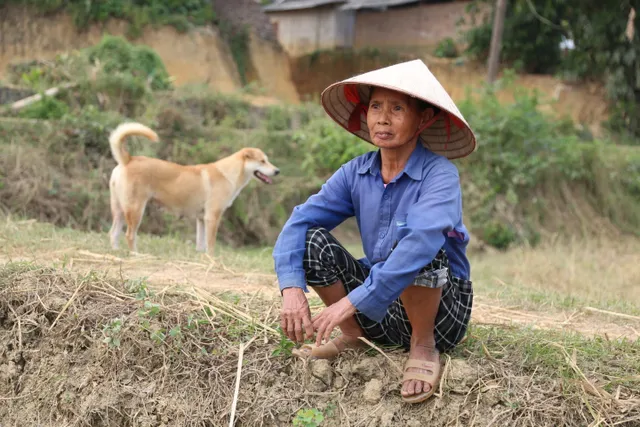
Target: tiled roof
<point>299,4</point>
<point>284,5</point>
<point>374,4</point>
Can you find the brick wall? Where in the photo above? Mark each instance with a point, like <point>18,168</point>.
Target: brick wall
<point>416,25</point>
<point>245,12</point>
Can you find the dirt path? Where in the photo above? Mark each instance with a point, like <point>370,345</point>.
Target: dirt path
<point>218,278</point>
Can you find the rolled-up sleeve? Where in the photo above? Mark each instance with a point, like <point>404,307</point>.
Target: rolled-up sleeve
<point>328,208</point>
<point>435,213</point>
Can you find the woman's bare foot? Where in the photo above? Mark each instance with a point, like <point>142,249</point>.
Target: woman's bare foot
<point>427,353</point>
<point>330,349</point>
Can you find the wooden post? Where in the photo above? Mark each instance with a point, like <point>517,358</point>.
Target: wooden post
<point>496,40</point>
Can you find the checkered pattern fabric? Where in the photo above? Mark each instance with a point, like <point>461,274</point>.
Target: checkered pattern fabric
<point>327,261</point>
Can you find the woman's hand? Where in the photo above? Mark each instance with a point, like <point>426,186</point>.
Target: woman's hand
<point>330,317</point>
<point>295,315</point>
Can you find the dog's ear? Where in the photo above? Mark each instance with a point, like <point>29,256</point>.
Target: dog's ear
<point>251,154</point>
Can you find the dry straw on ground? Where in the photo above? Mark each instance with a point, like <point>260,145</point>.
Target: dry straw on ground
<point>91,350</point>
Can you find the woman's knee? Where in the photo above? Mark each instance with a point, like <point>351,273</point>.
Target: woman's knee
<point>318,239</point>
<point>325,259</point>
<point>435,274</point>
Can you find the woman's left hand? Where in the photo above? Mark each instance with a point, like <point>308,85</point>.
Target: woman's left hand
<point>325,321</point>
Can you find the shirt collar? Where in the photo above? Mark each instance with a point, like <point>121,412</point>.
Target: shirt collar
<point>413,168</point>
<point>372,165</point>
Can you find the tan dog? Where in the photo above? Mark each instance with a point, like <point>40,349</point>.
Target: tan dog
<point>202,192</point>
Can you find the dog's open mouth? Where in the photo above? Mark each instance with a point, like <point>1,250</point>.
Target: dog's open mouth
<point>262,177</point>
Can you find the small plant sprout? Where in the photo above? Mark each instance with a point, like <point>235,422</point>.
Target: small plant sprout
<point>111,332</point>
<point>310,417</point>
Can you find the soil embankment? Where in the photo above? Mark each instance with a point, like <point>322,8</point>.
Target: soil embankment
<point>200,56</point>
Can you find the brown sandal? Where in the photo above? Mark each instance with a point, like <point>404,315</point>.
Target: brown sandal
<point>430,379</point>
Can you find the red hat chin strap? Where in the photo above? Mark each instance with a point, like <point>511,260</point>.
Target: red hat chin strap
<point>354,123</point>
<point>448,118</point>
<point>429,122</point>
<point>352,95</point>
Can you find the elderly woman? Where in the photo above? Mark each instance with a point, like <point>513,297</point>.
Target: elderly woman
<point>412,289</point>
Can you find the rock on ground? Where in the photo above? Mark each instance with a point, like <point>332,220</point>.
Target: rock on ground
<point>372,391</point>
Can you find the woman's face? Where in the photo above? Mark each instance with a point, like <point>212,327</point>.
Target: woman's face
<point>394,118</point>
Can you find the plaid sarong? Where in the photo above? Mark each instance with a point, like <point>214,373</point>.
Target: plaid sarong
<point>327,261</point>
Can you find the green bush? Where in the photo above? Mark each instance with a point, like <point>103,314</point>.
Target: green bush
<point>115,55</point>
<point>521,153</point>
<point>278,118</point>
<point>327,146</point>
<point>47,108</point>
<point>446,49</point>
<point>499,235</point>
<point>519,143</point>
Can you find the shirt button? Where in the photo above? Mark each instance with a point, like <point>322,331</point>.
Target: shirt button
<point>385,197</point>
<point>382,235</point>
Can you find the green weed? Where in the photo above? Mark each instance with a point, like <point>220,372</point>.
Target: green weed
<point>310,417</point>
<point>149,309</point>
<point>284,347</point>
<point>112,332</point>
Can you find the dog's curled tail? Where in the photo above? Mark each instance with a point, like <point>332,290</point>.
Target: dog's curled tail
<point>117,137</point>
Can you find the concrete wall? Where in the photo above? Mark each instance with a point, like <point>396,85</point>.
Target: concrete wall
<point>346,24</point>
<point>414,25</point>
<point>304,31</point>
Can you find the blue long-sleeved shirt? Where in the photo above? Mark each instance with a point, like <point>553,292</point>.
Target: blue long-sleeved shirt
<point>418,212</point>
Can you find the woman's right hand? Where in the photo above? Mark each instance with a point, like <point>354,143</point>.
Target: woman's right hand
<point>295,316</point>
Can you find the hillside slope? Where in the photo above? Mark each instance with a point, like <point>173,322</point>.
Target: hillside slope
<point>199,56</point>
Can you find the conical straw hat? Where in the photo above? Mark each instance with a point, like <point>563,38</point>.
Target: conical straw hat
<point>346,103</point>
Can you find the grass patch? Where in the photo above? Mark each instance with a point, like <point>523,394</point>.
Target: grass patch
<point>567,274</point>
<point>27,239</point>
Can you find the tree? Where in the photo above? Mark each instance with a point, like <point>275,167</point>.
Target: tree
<point>496,40</point>
<point>602,52</point>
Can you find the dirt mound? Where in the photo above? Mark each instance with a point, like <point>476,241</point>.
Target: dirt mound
<point>88,350</point>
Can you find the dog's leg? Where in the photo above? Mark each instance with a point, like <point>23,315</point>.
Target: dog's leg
<point>212,222</point>
<point>133,216</point>
<point>116,228</point>
<point>118,221</point>
<point>201,239</point>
